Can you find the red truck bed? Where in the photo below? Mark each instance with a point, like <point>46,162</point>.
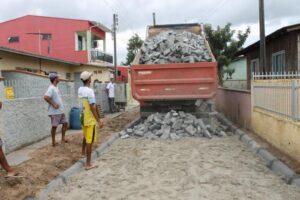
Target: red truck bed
<point>178,81</point>
<point>173,85</point>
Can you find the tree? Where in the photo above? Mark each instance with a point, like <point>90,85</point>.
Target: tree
<point>133,46</point>
<point>225,43</point>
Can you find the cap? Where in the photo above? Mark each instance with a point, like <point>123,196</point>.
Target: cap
<point>85,75</point>
<point>53,76</point>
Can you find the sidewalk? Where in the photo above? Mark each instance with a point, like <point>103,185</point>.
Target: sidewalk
<point>17,157</point>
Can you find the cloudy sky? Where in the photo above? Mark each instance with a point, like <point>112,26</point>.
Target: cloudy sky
<point>135,15</point>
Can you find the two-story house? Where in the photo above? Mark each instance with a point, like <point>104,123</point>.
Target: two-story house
<point>71,40</point>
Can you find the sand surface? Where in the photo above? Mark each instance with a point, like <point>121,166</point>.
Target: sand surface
<point>47,162</point>
<point>191,168</point>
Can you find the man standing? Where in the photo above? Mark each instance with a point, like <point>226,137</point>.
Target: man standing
<point>89,116</point>
<point>111,95</point>
<point>10,171</point>
<point>56,108</point>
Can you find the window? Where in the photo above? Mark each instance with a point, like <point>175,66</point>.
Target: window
<point>46,36</point>
<point>95,44</point>
<point>254,66</point>
<point>68,76</point>
<point>13,39</point>
<point>119,73</point>
<point>80,43</point>
<point>278,62</point>
<point>98,72</point>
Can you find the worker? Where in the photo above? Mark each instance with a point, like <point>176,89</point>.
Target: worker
<point>56,109</point>
<point>89,116</point>
<point>110,88</point>
<point>3,161</point>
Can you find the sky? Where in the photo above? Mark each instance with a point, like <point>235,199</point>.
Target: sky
<point>135,15</point>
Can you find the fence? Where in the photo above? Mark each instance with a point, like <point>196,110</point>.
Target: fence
<point>35,88</point>
<point>278,96</point>
<point>99,55</point>
<point>276,75</point>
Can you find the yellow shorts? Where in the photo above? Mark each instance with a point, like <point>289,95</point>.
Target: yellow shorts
<point>90,133</point>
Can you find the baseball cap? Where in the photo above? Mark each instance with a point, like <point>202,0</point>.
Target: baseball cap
<point>85,75</point>
<point>53,76</point>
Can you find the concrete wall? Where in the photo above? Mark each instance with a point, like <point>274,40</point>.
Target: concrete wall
<point>235,84</point>
<point>1,114</point>
<point>236,105</point>
<point>25,121</point>
<point>280,131</point>
<point>26,85</point>
<point>101,96</point>
<point>298,47</point>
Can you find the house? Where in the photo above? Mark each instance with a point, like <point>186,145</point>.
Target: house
<point>11,59</point>
<point>81,42</point>
<point>282,53</point>
<point>74,40</point>
<point>238,79</point>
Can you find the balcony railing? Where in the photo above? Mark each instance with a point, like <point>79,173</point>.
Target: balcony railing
<point>97,55</point>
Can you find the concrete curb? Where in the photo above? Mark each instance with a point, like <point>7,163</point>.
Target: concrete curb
<point>271,161</point>
<point>63,178</point>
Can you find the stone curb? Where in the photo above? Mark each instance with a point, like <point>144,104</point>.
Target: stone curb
<point>281,168</point>
<point>271,161</point>
<point>62,179</point>
<point>267,157</point>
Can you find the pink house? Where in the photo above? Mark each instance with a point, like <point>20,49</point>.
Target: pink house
<point>74,40</point>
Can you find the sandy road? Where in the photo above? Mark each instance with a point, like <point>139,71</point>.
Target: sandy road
<point>191,168</point>
<point>48,162</point>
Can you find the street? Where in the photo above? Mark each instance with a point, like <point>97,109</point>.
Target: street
<point>191,168</point>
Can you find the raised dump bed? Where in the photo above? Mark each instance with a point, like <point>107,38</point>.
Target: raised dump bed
<point>166,86</point>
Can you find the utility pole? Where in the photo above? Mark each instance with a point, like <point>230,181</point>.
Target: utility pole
<point>114,29</point>
<point>262,57</point>
<point>154,20</point>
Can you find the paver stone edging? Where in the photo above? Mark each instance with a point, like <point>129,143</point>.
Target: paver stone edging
<point>63,178</point>
<point>271,161</point>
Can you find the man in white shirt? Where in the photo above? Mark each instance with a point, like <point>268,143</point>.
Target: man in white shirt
<point>56,109</point>
<point>111,95</point>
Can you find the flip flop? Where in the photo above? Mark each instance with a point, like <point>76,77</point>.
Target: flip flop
<point>14,176</point>
<point>65,141</point>
<point>91,167</point>
<point>56,144</point>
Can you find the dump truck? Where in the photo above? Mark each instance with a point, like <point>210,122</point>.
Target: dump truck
<point>161,86</point>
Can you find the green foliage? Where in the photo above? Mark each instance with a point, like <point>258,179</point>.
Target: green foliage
<point>229,72</point>
<point>225,43</point>
<point>133,46</point>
